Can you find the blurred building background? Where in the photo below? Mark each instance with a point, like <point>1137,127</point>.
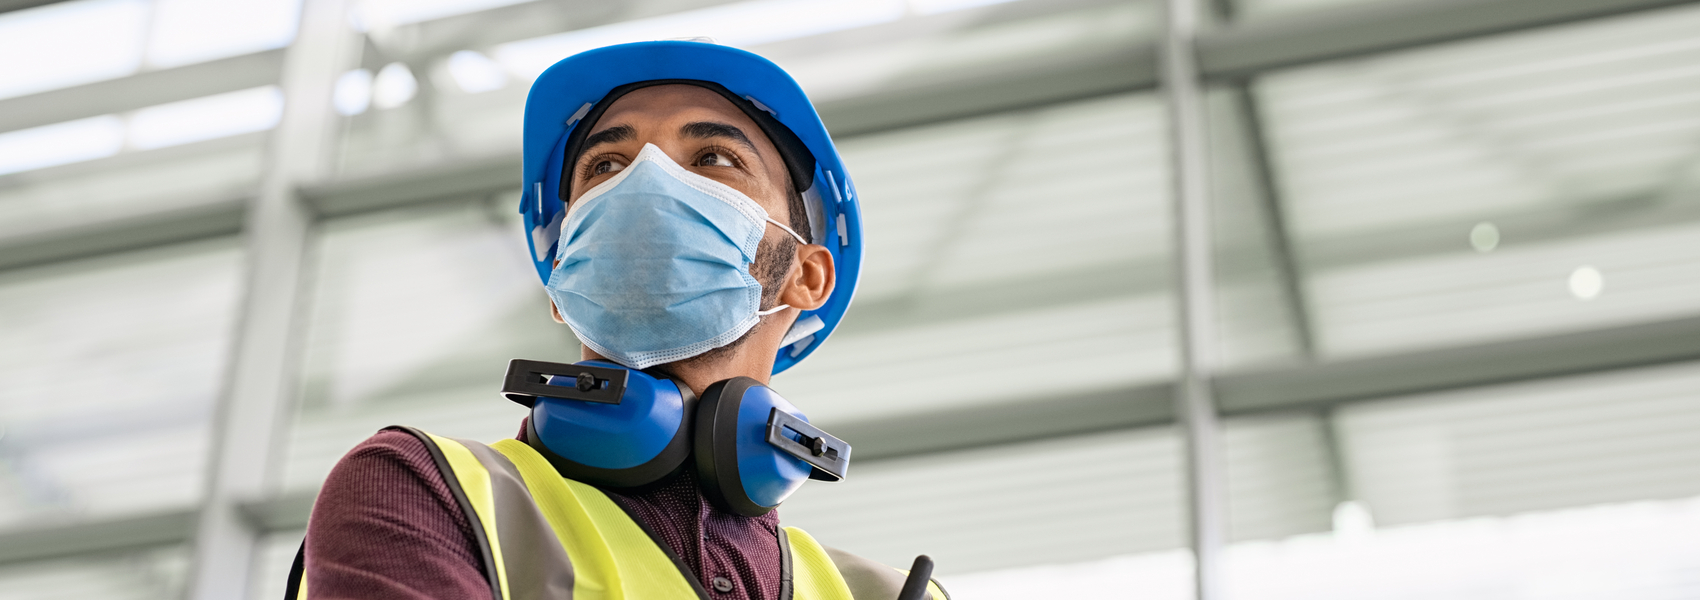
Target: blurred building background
<point>1457,255</point>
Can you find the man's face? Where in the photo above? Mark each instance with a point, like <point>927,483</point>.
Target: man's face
<point>698,129</point>
<point>706,134</point>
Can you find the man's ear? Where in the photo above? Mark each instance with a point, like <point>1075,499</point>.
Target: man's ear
<point>555,311</point>
<point>811,280</point>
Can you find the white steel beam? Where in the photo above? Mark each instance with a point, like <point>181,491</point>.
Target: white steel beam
<point>11,5</point>
<point>251,416</point>
<point>218,218</point>
<point>1249,126</point>
<point>1195,287</point>
<point>93,537</point>
<point>1276,42</point>
<point>141,90</point>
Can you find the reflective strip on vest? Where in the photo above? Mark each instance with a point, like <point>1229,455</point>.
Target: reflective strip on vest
<point>615,558</point>
<point>475,482</point>
<point>547,537</point>
<point>528,551</point>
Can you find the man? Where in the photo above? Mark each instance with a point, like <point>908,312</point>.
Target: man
<point>693,224</point>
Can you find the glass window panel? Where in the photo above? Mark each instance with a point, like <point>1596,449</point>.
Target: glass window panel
<point>1034,238</point>
<point>1255,309</point>
<point>70,43</point>
<point>190,31</point>
<point>741,24</point>
<point>1252,9</point>
<point>1616,437</point>
<point>914,51</point>
<point>958,192</point>
<point>1164,575</point>
<point>928,7</point>
<point>60,143</point>
<point>1076,187</point>
<point>1642,550</point>
<point>201,119</point>
<point>210,117</point>
<point>1056,501</point>
<point>1072,188</point>
<point>1575,143</point>
<point>1516,291</point>
<point>1639,550</point>
<point>130,185</point>
<point>275,556</point>
<point>1280,475</point>
<point>911,366</point>
<point>1572,115</point>
<point>157,574</point>
<point>108,373</point>
<point>414,317</point>
<point>381,14</point>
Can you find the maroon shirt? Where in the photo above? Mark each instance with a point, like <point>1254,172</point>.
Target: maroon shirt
<point>386,526</point>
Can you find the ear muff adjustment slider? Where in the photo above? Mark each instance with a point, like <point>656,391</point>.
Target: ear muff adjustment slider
<point>528,380</point>
<point>829,455</point>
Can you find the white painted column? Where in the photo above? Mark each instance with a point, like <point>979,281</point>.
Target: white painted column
<point>1195,294</point>
<point>258,396</point>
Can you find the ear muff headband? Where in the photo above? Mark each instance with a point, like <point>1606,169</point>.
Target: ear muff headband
<point>628,429</point>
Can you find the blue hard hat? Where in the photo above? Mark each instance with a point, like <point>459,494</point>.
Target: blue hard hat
<point>574,88</point>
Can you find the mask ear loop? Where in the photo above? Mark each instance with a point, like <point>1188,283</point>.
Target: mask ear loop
<point>781,226</point>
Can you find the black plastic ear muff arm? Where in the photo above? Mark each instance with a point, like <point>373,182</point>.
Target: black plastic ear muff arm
<point>829,455</point>
<point>915,586</point>
<point>527,380</point>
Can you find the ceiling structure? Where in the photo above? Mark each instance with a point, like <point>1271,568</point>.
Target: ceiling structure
<point>1411,194</point>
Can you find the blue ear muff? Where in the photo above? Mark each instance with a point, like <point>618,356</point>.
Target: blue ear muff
<point>602,424</point>
<point>753,449</point>
<point>605,425</point>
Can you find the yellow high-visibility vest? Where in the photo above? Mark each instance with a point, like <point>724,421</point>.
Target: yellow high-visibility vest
<point>543,536</point>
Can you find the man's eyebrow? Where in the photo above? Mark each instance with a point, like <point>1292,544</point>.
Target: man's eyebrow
<point>617,133</point>
<point>711,129</point>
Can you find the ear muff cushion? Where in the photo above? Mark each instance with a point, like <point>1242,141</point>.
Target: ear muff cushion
<point>717,447</point>
<point>639,441</point>
<point>737,468</point>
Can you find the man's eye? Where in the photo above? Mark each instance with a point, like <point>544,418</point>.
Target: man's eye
<point>714,159</point>
<point>603,167</point>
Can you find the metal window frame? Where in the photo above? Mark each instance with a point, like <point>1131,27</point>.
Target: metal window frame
<point>1307,388</point>
<point>1226,55</point>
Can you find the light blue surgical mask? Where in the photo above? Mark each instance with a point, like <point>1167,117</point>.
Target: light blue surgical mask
<point>655,264</point>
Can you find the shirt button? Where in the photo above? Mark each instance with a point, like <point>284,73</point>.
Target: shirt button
<point>721,584</point>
